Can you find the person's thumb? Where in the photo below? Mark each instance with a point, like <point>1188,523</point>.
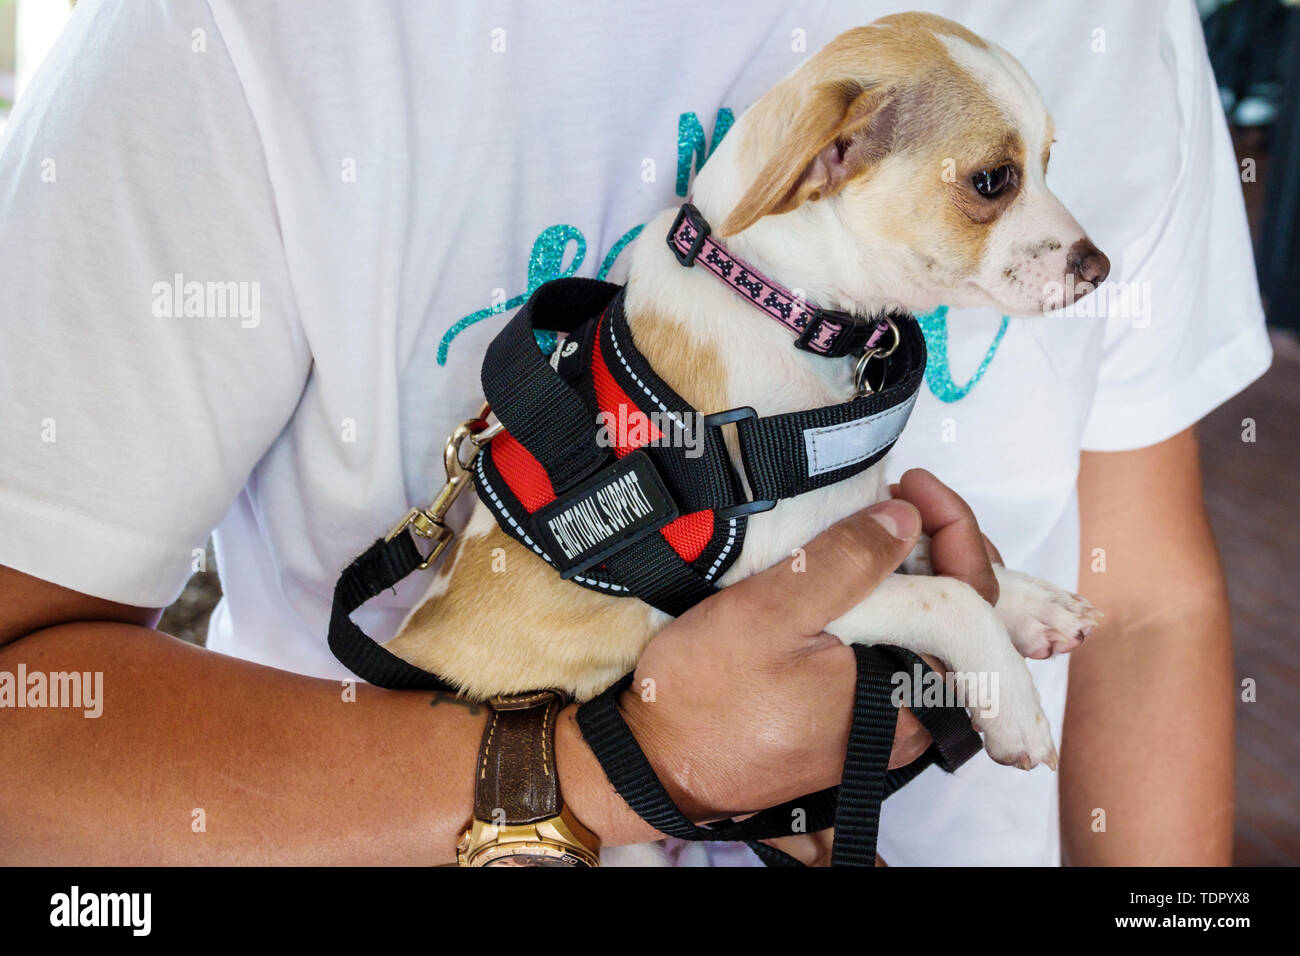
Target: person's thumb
<point>835,570</point>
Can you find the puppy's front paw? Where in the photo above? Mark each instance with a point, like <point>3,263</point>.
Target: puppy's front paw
<point>1016,733</point>
<point>1021,740</point>
<point>1043,620</point>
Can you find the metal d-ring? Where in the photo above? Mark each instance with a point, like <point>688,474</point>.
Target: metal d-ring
<point>860,384</point>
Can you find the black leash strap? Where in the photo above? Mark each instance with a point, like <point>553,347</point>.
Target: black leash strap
<point>853,808</point>
<point>635,780</point>
<point>382,565</point>
<point>862,787</point>
<point>955,740</point>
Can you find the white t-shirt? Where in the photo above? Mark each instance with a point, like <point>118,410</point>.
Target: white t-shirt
<point>373,178</point>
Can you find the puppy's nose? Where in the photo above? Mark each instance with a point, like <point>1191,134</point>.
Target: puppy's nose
<point>1087,263</point>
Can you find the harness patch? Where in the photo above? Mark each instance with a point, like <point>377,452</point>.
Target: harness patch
<point>620,505</point>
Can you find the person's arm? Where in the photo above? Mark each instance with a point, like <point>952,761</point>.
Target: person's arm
<point>1148,733</point>
<point>281,767</point>
<point>285,770</point>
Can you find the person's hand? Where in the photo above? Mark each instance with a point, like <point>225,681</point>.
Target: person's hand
<point>958,549</point>
<point>745,702</point>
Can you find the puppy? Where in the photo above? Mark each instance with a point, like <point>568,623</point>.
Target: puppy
<point>901,167</point>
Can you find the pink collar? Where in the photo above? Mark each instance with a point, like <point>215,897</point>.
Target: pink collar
<point>825,332</point>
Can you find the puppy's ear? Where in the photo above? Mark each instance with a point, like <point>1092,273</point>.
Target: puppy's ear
<point>841,129</point>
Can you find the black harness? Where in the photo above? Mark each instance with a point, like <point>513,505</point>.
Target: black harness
<point>607,474</point>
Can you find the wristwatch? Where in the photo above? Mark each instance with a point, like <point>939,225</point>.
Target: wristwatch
<point>519,817</point>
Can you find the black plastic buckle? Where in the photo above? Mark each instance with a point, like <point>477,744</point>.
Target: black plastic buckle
<point>702,230</point>
<point>745,508</point>
<point>851,337</point>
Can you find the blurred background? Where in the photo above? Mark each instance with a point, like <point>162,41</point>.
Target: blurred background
<point>1251,489</point>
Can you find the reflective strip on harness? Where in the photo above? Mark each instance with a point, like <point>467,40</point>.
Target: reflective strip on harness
<point>836,446</point>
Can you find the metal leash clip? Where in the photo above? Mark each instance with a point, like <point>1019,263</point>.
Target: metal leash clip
<point>429,522</point>
<point>861,386</point>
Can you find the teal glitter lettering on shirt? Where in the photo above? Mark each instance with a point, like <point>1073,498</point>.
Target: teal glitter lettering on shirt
<point>619,246</point>
<point>547,259</point>
<point>690,144</point>
<point>546,262</point>
<point>938,376</point>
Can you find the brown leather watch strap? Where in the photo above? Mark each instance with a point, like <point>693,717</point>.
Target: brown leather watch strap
<point>516,768</point>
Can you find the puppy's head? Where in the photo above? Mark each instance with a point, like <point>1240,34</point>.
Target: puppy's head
<point>917,153</point>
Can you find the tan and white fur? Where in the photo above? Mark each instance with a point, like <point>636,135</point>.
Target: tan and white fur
<point>851,180</point>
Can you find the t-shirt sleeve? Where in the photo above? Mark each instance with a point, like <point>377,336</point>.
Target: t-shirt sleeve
<point>150,349</point>
<point>1203,339</point>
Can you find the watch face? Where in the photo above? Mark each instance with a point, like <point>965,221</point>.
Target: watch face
<point>530,854</point>
<point>533,859</point>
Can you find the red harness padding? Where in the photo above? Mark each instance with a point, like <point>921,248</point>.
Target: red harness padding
<point>688,535</point>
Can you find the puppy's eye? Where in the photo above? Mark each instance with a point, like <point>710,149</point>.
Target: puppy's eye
<point>990,183</point>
